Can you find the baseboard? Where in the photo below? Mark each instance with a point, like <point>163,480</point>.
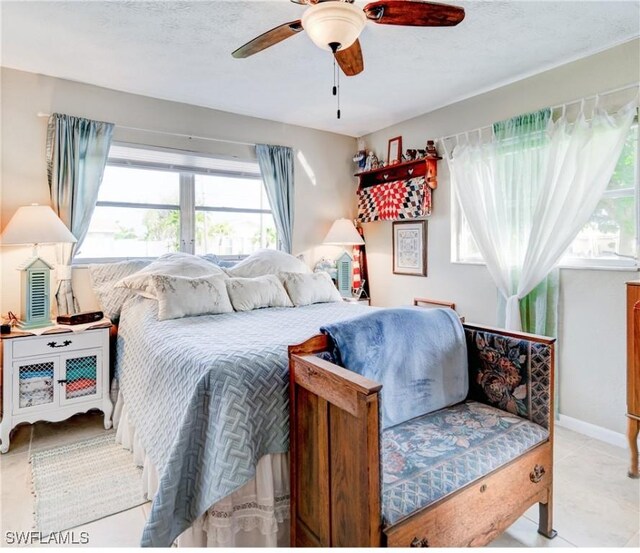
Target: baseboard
<point>593,431</point>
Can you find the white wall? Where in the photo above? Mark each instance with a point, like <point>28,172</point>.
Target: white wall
<point>592,311</point>
<point>592,347</point>
<point>319,198</point>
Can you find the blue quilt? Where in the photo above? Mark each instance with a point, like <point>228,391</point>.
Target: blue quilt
<point>209,397</point>
<point>418,355</point>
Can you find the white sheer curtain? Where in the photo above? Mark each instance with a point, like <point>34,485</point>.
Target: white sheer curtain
<point>528,192</point>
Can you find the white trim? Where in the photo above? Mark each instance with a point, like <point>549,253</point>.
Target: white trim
<point>598,432</point>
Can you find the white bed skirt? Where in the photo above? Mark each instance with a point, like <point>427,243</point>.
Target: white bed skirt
<point>256,515</point>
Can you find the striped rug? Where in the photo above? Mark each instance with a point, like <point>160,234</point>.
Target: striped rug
<point>81,482</point>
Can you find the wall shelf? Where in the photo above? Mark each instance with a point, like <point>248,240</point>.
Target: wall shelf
<point>426,167</point>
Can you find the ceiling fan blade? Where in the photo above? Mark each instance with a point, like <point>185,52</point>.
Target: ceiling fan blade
<point>311,2</point>
<point>350,60</point>
<point>275,35</point>
<point>413,13</point>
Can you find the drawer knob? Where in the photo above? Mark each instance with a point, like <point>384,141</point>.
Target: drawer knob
<point>483,488</point>
<point>62,345</point>
<point>537,473</point>
<point>417,542</point>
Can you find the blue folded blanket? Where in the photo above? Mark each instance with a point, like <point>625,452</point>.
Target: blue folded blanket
<point>418,355</point>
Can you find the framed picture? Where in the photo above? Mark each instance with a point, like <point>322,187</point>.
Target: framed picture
<point>394,151</point>
<point>410,248</point>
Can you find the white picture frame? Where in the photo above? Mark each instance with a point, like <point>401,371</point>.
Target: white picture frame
<point>410,248</point>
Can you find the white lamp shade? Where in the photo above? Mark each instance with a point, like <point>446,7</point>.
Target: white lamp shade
<point>36,224</point>
<point>333,22</point>
<point>343,233</point>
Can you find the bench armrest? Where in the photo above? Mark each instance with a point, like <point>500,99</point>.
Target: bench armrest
<point>332,383</point>
<point>513,371</point>
<point>334,451</point>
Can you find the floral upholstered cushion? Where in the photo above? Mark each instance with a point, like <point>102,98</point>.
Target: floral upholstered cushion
<point>429,457</point>
<point>510,373</point>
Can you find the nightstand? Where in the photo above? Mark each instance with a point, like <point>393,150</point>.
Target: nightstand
<point>361,301</point>
<point>54,375</point>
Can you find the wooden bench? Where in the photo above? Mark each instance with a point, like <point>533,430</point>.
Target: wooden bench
<point>338,496</point>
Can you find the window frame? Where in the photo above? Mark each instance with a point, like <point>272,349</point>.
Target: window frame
<point>187,205</point>
<point>619,264</point>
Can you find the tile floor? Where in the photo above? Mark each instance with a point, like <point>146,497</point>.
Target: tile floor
<point>596,504</point>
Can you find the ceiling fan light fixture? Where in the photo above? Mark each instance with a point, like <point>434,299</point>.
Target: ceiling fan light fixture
<point>330,23</point>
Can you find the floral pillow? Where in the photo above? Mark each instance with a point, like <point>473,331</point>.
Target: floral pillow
<point>180,296</point>
<point>305,289</point>
<point>501,372</point>
<point>173,264</point>
<point>254,293</point>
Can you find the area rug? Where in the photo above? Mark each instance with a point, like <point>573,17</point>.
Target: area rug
<point>81,482</point>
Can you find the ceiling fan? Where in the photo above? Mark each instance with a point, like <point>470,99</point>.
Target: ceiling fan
<point>335,25</point>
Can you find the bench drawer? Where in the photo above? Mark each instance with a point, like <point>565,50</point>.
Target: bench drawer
<point>56,343</point>
<point>482,510</point>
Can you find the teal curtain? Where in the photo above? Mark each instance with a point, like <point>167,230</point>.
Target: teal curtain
<point>539,308</point>
<point>77,151</point>
<point>276,166</point>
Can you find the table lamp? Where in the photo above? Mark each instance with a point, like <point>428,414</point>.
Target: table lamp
<point>35,224</point>
<point>343,233</point>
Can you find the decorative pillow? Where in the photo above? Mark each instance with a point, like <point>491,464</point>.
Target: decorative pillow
<point>253,293</point>
<point>173,264</point>
<point>305,289</point>
<point>104,276</point>
<point>180,296</point>
<point>267,262</point>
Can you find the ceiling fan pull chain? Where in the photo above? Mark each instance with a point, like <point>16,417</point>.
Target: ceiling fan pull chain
<point>338,93</point>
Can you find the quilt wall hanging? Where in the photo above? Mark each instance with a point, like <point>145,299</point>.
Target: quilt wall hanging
<point>394,201</point>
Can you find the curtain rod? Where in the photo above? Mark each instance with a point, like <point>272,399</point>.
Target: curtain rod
<point>552,108</point>
<point>189,136</point>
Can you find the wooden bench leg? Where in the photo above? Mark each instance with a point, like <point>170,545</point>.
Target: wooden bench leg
<point>633,427</point>
<point>545,521</point>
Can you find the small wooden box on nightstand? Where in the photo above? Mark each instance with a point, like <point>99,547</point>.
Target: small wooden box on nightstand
<point>53,376</point>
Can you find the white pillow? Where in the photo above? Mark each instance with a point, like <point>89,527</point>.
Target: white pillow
<point>104,277</point>
<point>267,262</point>
<point>253,293</point>
<point>180,296</point>
<point>305,289</point>
<point>174,264</point>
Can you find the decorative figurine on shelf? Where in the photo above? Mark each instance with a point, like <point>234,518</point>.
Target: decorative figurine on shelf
<point>360,158</point>
<point>372,162</point>
<point>431,149</point>
<point>420,154</point>
<point>409,156</point>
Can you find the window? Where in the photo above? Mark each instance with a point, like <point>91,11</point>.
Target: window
<point>610,237</point>
<point>154,201</point>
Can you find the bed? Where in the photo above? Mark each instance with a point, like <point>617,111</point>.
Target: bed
<point>203,404</point>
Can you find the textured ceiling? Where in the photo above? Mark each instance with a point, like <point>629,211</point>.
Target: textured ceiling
<point>182,51</point>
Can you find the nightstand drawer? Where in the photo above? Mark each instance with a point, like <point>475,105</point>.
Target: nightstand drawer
<point>56,343</point>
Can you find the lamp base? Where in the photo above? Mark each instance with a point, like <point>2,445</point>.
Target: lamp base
<point>23,325</point>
